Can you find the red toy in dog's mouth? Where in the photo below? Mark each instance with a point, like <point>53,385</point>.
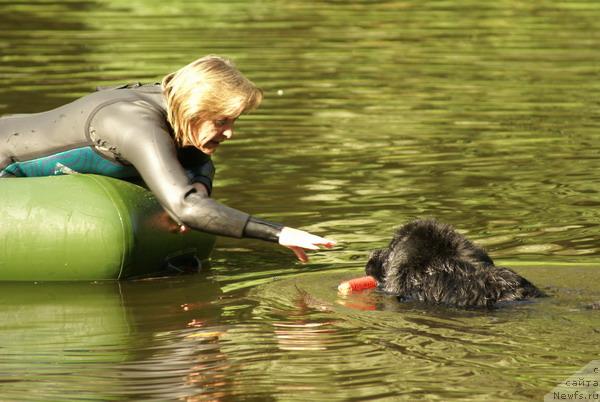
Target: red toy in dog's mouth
<point>354,285</point>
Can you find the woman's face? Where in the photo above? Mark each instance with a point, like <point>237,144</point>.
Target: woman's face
<point>209,134</point>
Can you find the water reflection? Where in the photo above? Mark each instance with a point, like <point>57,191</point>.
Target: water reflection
<point>110,339</point>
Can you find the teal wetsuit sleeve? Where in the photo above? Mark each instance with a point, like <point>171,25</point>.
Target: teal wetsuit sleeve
<point>139,136</point>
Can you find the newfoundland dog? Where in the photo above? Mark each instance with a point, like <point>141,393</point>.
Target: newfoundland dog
<point>430,262</point>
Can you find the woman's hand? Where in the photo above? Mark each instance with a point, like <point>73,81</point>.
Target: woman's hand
<point>298,240</point>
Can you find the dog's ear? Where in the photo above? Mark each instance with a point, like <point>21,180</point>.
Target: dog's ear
<point>458,282</point>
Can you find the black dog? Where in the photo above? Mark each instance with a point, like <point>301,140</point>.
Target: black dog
<point>430,262</point>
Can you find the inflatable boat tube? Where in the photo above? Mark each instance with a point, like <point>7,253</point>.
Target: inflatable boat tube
<point>89,227</point>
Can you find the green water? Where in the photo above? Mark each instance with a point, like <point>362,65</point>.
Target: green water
<point>481,114</point>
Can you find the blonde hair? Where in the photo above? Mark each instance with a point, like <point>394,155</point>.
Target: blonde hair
<point>206,89</point>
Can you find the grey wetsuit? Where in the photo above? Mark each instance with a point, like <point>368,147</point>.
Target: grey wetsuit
<point>123,132</point>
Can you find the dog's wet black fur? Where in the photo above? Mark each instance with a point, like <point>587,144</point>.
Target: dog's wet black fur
<point>430,262</point>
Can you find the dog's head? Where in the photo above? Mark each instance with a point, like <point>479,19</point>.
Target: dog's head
<point>417,250</point>
<point>404,247</point>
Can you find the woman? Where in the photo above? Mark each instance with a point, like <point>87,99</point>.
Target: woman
<point>164,133</point>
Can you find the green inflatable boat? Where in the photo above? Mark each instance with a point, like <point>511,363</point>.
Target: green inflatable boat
<point>89,227</point>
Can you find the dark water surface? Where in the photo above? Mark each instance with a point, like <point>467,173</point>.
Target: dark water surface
<point>482,114</point>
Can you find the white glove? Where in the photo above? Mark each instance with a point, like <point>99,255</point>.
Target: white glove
<point>298,240</point>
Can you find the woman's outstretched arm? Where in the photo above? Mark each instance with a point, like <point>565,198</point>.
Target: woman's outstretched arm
<point>146,143</point>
